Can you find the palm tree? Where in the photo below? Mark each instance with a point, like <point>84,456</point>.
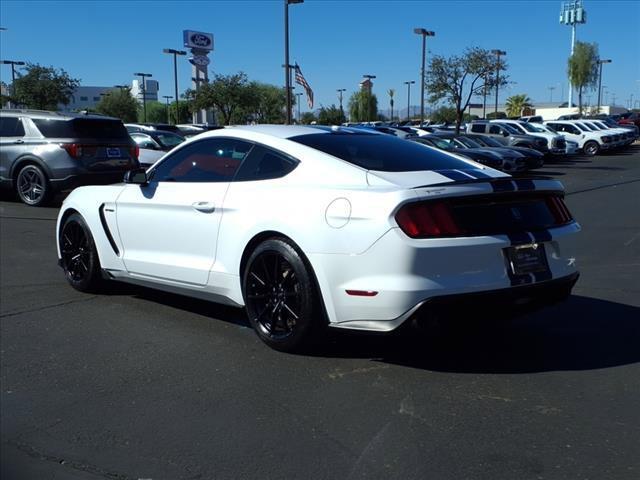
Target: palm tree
<point>391,93</point>
<point>516,104</point>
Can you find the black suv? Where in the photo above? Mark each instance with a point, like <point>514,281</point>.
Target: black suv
<point>43,153</point>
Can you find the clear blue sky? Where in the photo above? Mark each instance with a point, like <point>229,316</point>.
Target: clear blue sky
<point>335,42</point>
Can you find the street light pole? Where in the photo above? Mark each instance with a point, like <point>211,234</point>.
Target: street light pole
<point>287,80</point>
<point>551,89</point>
<point>408,84</point>
<point>175,54</point>
<point>167,97</point>
<point>600,63</point>
<point>425,34</point>
<point>13,64</point>
<point>369,77</point>
<point>144,92</point>
<point>340,90</point>
<point>497,53</point>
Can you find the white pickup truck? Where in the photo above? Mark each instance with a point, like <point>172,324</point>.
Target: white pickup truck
<point>555,142</point>
<point>590,142</point>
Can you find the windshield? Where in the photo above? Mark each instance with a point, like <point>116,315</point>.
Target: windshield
<point>528,127</point>
<point>487,141</point>
<point>467,142</point>
<point>582,127</point>
<point>587,127</point>
<point>381,152</point>
<point>511,129</point>
<point>594,125</point>
<point>168,139</point>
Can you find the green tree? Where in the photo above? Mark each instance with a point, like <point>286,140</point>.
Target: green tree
<point>44,88</point>
<point>391,92</point>
<point>185,110</point>
<point>494,115</point>
<point>229,94</point>
<point>458,78</point>
<point>119,103</point>
<point>583,68</point>
<point>331,116</point>
<point>308,118</point>
<point>156,112</point>
<point>265,103</point>
<point>444,115</point>
<point>516,104</point>
<point>363,106</point>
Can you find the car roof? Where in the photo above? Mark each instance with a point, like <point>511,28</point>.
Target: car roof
<point>289,131</point>
<point>51,114</point>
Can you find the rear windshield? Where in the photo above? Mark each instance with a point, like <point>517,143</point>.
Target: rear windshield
<point>381,152</point>
<point>96,129</point>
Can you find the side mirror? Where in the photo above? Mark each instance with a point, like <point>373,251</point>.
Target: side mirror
<point>137,176</point>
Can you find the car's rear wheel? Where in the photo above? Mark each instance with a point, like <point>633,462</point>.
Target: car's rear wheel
<point>32,186</point>
<point>591,148</point>
<point>280,296</point>
<point>80,260</point>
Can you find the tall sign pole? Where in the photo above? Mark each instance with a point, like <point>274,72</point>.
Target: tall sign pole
<point>200,45</point>
<point>572,13</point>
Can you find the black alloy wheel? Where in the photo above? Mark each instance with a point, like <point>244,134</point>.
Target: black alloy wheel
<point>32,186</point>
<point>280,295</point>
<point>78,254</point>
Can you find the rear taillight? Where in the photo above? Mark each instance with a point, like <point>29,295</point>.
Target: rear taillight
<point>73,149</point>
<point>427,220</point>
<point>559,210</point>
<point>135,151</point>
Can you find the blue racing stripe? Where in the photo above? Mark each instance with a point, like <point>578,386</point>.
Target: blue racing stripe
<point>524,184</point>
<point>519,238</point>
<point>542,236</point>
<point>503,186</point>
<point>453,174</point>
<point>478,173</point>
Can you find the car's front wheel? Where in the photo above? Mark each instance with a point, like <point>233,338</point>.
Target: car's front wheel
<point>280,296</point>
<point>79,256</point>
<point>32,186</point>
<point>591,148</point>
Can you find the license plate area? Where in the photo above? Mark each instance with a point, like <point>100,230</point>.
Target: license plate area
<point>113,152</point>
<point>524,259</point>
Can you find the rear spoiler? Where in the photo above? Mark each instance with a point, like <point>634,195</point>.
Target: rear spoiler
<point>508,184</point>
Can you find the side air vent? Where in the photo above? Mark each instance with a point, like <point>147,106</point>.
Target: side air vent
<point>107,232</point>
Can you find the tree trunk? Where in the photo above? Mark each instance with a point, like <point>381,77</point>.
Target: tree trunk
<point>580,100</point>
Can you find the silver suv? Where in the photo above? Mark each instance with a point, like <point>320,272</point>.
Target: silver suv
<point>42,153</point>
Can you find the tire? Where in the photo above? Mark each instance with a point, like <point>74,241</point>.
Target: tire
<point>79,260</point>
<point>591,148</point>
<point>280,296</point>
<point>32,186</point>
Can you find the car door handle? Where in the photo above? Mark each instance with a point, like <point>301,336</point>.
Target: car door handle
<point>204,207</point>
<point>19,141</point>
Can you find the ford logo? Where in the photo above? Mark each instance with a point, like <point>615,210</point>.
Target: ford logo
<point>200,40</point>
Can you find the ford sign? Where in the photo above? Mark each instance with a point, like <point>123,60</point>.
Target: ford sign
<point>198,40</point>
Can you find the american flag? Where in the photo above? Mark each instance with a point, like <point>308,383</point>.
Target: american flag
<point>302,81</point>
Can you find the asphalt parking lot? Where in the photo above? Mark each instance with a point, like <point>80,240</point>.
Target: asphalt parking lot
<point>141,384</point>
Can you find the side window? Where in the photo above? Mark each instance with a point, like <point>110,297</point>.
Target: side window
<point>477,128</point>
<point>11,127</point>
<point>264,164</point>
<point>211,160</point>
<point>495,130</point>
<point>572,129</point>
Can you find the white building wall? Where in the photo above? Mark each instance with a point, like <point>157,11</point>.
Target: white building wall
<point>151,90</point>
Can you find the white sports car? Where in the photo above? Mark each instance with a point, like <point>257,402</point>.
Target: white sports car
<point>313,226</point>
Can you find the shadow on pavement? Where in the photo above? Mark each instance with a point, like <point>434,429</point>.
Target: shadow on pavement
<point>580,334</point>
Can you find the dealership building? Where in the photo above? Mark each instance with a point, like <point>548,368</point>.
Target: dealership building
<point>86,97</point>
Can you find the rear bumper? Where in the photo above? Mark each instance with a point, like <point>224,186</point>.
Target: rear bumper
<point>510,301</point>
<point>407,273</point>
